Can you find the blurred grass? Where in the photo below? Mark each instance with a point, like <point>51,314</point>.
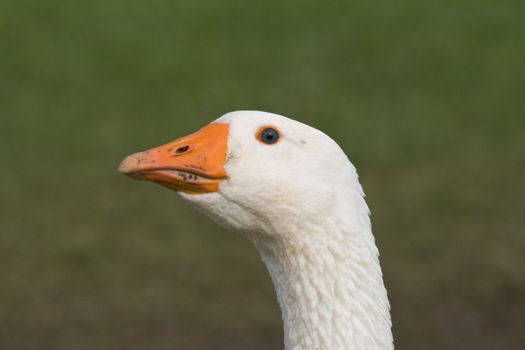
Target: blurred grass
<point>428,100</point>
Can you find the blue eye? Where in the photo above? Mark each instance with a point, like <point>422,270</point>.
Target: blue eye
<point>269,136</point>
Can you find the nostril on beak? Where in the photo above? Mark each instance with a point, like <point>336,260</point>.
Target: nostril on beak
<point>182,149</point>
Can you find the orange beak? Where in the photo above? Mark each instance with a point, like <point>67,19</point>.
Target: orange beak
<point>191,164</point>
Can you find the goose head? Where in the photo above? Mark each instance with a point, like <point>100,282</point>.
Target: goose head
<point>292,191</point>
<point>253,172</point>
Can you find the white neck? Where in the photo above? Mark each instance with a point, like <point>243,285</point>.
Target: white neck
<point>329,285</point>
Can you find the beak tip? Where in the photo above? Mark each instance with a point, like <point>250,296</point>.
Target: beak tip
<point>121,168</point>
<point>129,164</point>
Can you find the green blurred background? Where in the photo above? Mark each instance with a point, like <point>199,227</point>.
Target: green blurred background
<point>427,98</point>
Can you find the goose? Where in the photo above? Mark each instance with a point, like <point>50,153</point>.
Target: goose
<point>292,191</point>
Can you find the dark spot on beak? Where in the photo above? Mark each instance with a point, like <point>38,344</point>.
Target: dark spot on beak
<point>182,149</point>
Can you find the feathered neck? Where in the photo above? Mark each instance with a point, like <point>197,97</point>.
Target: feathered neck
<point>329,283</point>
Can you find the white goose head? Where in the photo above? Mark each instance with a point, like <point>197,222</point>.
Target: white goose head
<point>292,191</point>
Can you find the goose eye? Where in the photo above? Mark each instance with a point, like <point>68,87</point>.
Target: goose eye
<point>269,136</point>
